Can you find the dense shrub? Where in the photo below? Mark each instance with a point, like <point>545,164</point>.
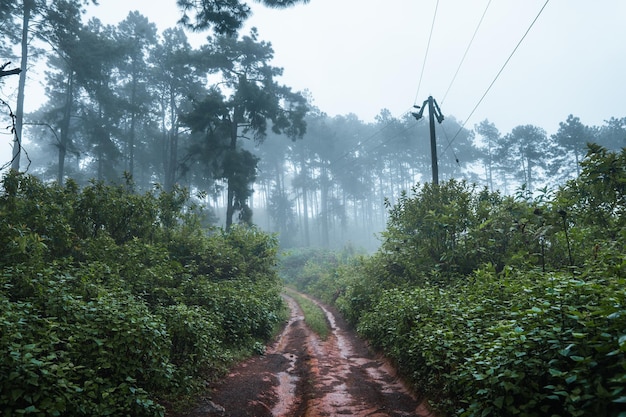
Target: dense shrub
<point>507,306</point>
<point>516,344</point>
<point>245,310</point>
<point>112,301</point>
<point>294,264</point>
<point>315,270</point>
<point>71,356</point>
<point>196,339</point>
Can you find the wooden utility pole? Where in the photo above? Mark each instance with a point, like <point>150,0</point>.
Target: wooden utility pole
<point>433,111</point>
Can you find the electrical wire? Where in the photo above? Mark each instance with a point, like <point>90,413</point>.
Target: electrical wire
<point>445,133</point>
<point>432,27</point>
<point>466,51</point>
<point>498,74</point>
<point>379,131</point>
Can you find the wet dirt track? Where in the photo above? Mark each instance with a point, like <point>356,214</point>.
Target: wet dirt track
<point>301,375</point>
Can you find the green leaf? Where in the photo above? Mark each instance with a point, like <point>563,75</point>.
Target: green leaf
<point>16,393</point>
<point>499,402</point>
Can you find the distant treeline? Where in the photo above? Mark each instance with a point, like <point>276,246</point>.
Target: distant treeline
<point>126,100</point>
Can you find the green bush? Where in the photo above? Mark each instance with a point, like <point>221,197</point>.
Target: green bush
<point>34,224</point>
<point>69,356</point>
<point>245,310</point>
<point>519,344</point>
<point>112,301</point>
<point>507,306</point>
<point>294,262</point>
<point>322,273</point>
<point>196,339</point>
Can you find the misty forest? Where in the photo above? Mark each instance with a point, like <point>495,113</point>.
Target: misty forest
<point>161,195</point>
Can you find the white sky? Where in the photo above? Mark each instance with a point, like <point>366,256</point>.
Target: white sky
<point>360,56</point>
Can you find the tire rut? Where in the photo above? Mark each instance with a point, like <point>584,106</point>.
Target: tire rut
<point>302,376</point>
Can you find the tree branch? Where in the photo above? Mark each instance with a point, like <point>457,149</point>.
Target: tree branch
<point>4,73</point>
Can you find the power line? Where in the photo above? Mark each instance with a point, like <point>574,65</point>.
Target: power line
<point>466,51</point>
<point>498,74</point>
<point>456,158</point>
<point>432,27</point>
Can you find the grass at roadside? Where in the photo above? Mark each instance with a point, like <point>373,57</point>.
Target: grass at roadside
<point>314,316</point>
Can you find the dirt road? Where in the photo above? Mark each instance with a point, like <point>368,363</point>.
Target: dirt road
<point>301,375</point>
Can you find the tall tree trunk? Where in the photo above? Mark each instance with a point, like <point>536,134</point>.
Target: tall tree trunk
<point>100,135</point>
<point>234,131</point>
<point>131,146</point>
<point>488,166</point>
<point>65,127</point>
<point>530,176</point>
<point>382,195</point>
<point>305,202</point>
<point>305,216</point>
<point>133,121</point>
<point>324,217</point>
<point>577,162</point>
<point>171,155</point>
<point>19,111</point>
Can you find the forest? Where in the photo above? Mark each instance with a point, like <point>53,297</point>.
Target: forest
<point>162,195</point>
<point>491,304</point>
<point>126,100</point>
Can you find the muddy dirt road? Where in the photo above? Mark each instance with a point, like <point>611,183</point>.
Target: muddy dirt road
<point>301,375</point>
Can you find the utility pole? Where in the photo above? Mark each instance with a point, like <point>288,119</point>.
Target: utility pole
<point>433,111</point>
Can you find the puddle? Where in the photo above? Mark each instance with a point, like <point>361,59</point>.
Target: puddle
<point>286,389</point>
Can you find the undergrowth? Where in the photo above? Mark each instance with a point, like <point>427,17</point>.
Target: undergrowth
<point>496,305</point>
<point>314,316</point>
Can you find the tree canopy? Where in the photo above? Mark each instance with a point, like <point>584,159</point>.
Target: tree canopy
<point>224,17</point>
<point>126,100</point>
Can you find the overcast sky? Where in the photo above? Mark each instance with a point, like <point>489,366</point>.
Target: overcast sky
<point>360,56</point>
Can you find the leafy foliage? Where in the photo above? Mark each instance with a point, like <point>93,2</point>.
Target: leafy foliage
<point>112,301</point>
<point>515,344</point>
<point>223,16</point>
<point>508,306</point>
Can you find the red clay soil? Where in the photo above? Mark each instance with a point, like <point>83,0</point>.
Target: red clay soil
<point>301,375</point>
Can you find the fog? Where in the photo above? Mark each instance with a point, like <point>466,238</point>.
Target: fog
<point>521,93</point>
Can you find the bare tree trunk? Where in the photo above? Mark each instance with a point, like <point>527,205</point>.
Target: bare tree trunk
<point>305,216</point>
<point>19,111</point>
<point>133,123</point>
<point>324,215</point>
<point>171,156</point>
<point>234,132</point>
<point>65,128</point>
